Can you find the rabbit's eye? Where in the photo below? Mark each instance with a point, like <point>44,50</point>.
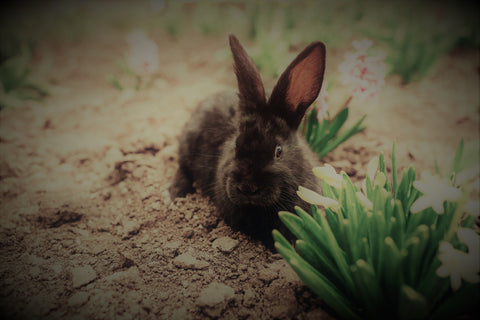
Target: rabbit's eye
<point>278,152</point>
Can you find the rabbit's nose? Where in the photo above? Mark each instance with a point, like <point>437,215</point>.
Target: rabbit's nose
<point>248,189</point>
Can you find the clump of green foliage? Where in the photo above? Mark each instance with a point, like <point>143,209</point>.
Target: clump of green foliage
<point>15,82</point>
<point>400,249</point>
<point>323,136</point>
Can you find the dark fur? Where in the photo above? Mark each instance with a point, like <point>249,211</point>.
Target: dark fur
<point>228,146</point>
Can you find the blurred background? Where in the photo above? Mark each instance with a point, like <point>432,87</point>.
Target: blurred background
<point>414,34</point>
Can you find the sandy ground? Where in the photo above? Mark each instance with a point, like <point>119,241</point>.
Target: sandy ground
<point>87,228</point>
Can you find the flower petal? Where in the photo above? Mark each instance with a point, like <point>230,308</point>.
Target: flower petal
<point>364,200</point>
<point>437,205</point>
<point>471,238</point>
<point>467,175</point>
<point>372,167</point>
<point>314,198</point>
<point>328,174</point>
<point>472,208</point>
<point>380,180</point>
<point>420,204</point>
<point>443,271</point>
<point>309,196</point>
<point>455,281</point>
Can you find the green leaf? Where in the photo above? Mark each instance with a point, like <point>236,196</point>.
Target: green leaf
<point>334,126</point>
<point>412,304</point>
<point>303,231</point>
<point>381,164</point>
<point>320,262</point>
<point>463,302</point>
<point>457,163</point>
<point>398,230</point>
<point>356,128</point>
<point>331,244</point>
<point>392,265</point>
<point>278,237</point>
<point>115,82</point>
<point>416,246</point>
<point>13,73</point>
<point>368,289</point>
<point>293,223</point>
<point>394,171</point>
<point>324,289</point>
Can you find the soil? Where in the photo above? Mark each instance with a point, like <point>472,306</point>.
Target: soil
<point>87,227</point>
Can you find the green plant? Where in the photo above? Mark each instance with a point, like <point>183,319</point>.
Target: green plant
<point>322,135</point>
<point>400,249</point>
<point>365,73</point>
<point>416,40</point>
<point>140,64</point>
<point>16,84</point>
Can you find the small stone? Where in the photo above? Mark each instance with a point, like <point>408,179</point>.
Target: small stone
<point>249,299</point>
<point>170,249</point>
<point>82,276</point>
<point>156,206</point>
<point>215,298</point>
<point>163,295</point>
<point>81,232</point>
<point>40,305</point>
<point>78,299</point>
<point>225,244</point>
<point>188,215</point>
<point>267,275</point>
<point>166,197</point>
<point>35,271</point>
<point>131,275</point>
<point>181,313</point>
<point>188,233</point>
<point>214,294</point>
<point>130,227</point>
<point>34,260</point>
<point>286,273</point>
<point>187,261</point>
<point>56,268</point>
<point>283,298</point>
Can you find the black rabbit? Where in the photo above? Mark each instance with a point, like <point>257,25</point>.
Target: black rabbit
<point>244,151</point>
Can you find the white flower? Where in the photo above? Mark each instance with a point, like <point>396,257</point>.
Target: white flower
<point>372,167</point>
<point>364,200</point>
<point>380,180</point>
<point>435,192</point>
<point>362,46</point>
<point>365,73</point>
<point>376,178</point>
<point>460,265</point>
<point>321,103</point>
<point>143,54</point>
<point>472,208</point>
<point>329,175</point>
<point>312,197</point>
<point>467,175</point>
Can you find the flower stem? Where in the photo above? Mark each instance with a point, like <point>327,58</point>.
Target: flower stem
<point>347,102</point>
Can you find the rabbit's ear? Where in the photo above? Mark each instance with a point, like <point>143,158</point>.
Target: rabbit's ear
<point>299,85</point>
<point>250,86</point>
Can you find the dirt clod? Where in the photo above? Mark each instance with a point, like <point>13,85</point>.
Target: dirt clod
<point>214,298</point>
<point>187,261</point>
<point>225,244</point>
<point>78,299</point>
<point>82,276</point>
